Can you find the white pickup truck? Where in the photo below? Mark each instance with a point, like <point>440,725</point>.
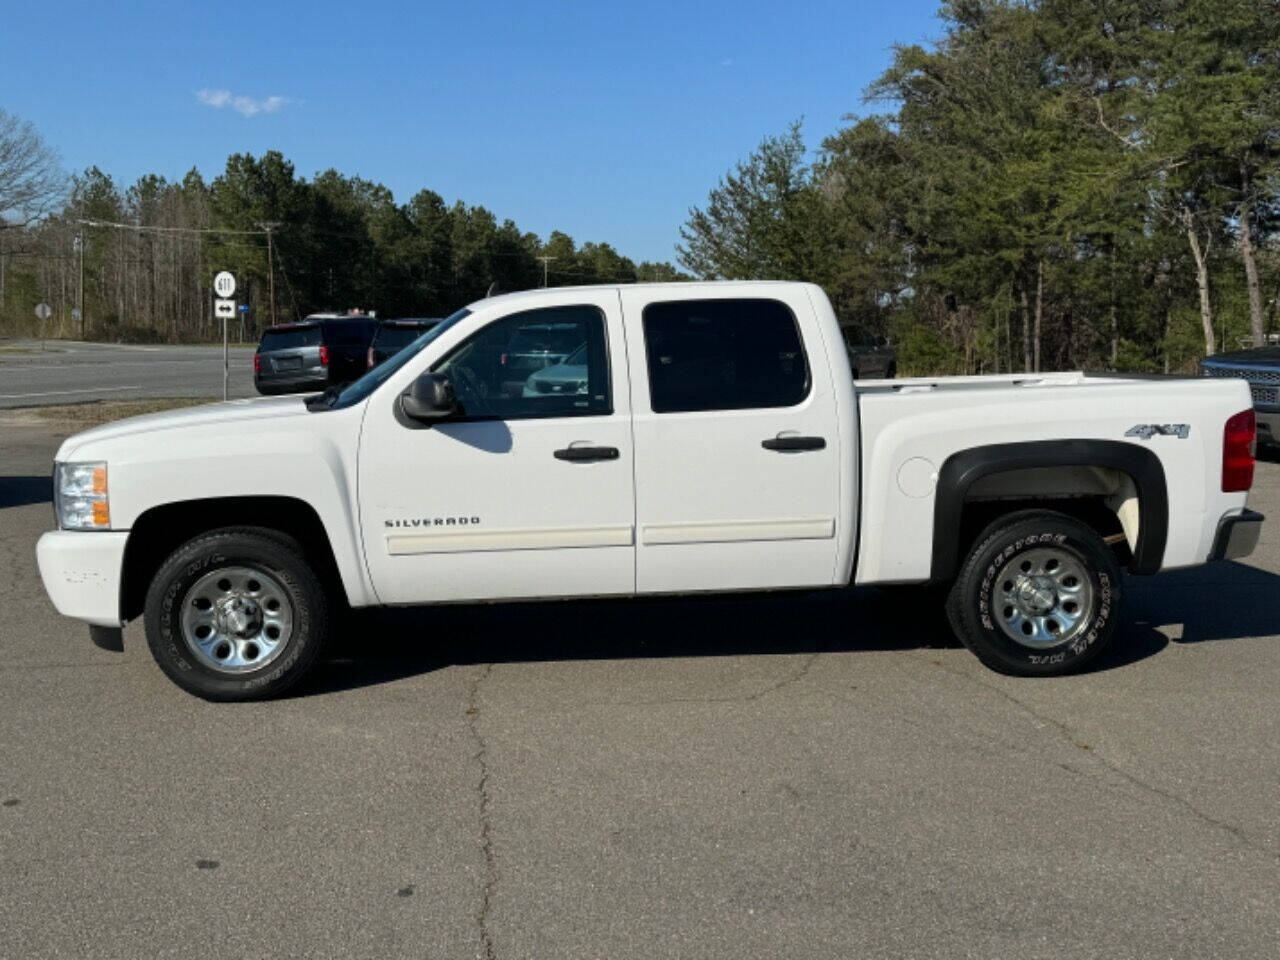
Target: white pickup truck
<point>624,440</point>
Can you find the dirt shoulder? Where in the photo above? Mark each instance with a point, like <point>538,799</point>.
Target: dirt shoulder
<point>82,416</point>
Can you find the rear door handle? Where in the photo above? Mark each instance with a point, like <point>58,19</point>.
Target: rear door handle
<point>792,444</point>
<point>581,454</point>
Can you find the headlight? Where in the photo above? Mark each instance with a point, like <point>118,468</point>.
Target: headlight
<point>80,496</point>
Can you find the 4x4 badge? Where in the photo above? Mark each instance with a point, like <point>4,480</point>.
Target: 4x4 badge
<point>1148,430</point>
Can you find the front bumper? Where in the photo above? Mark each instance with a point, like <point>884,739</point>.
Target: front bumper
<point>1237,535</point>
<point>82,571</point>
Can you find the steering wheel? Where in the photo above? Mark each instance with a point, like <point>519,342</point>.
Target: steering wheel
<point>473,393</point>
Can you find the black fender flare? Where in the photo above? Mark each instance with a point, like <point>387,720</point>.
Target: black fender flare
<point>964,468</point>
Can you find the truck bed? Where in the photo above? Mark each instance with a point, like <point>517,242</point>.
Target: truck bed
<point>910,427</point>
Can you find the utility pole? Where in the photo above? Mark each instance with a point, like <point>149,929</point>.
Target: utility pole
<point>266,228</point>
<point>80,285</point>
<point>545,261</point>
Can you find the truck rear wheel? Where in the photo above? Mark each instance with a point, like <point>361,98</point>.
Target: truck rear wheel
<point>236,614</point>
<point>1037,596</point>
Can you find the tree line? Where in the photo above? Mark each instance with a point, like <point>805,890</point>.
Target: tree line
<point>142,259</point>
<point>1052,184</point>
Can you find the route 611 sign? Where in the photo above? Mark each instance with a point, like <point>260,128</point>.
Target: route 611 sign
<point>224,284</point>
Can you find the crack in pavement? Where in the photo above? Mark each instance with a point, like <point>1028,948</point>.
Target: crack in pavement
<point>786,681</point>
<point>481,757</point>
<point>1065,732</point>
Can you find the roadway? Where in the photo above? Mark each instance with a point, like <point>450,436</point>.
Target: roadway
<point>36,373</point>
<point>768,776</point>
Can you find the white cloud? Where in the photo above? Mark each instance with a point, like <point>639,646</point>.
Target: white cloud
<point>246,106</point>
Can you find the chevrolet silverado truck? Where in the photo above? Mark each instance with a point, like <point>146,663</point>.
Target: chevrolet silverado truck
<point>710,438</point>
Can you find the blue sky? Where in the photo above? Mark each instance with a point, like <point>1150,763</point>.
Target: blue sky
<point>606,121</point>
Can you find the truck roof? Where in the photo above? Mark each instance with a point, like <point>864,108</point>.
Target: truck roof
<point>727,286</point>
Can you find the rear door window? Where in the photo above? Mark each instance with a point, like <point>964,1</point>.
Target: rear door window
<point>289,338</point>
<point>723,355</point>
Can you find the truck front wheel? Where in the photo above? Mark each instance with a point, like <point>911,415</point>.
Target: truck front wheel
<point>1037,596</point>
<point>236,614</point>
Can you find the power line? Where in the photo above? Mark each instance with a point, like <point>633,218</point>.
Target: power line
<point>143,228</point>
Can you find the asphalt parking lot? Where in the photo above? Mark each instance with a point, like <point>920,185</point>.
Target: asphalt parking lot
<point>37,372</point>
<point>769,776</point>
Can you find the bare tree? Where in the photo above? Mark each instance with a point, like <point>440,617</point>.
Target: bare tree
<point>32,183</point>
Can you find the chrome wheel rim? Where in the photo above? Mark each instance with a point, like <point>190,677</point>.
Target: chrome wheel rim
<point>1043,598</point>
<point>237,619</point>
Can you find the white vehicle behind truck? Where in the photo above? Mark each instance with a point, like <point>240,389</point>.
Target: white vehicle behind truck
<point>711,438</point>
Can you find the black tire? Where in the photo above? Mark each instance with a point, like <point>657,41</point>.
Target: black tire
<point>280,558</point>
<point>891,371</point>
<point>982,612</point>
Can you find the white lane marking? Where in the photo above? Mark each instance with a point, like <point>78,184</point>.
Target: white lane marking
<point>132,363</point>
<point>81,346</point>
<point>62,393</point>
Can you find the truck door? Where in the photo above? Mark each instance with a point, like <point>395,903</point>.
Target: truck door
<point>736,443</point>
<point>527,494</point>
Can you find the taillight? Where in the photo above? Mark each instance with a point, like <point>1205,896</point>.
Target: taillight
<point>257,363</point>
<point>324,355</point>
<point>1239,442</point>
<point>502,359</point>
<point>369,358</point>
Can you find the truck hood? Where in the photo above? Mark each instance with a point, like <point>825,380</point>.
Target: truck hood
<point>186,419</point>
<point>1263,356</point>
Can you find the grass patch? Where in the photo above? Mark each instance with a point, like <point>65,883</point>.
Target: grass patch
<point>82,416</point>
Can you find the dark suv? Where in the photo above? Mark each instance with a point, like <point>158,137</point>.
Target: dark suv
<point>392,336</point>
<point>321,351</point>
<point>1260,366</point>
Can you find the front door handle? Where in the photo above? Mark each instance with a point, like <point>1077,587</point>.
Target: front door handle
<point>793,444</point>
<point>582,454</point>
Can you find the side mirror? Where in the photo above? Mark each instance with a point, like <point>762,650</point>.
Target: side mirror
<point>430,398</point>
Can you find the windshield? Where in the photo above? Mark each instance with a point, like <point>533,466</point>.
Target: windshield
<point>348,333</point>
<point>554,338</point>
<point>356,391</point>
<point>391,337</point>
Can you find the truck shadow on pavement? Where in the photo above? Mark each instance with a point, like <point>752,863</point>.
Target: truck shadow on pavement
<point>1218,602</point>
<point>22,491</point>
